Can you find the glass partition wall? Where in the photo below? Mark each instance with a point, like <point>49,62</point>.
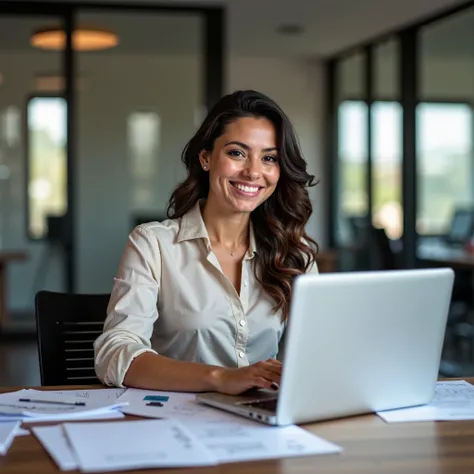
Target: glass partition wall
<point>401,151</point>
<point>401,161</point>
<point>96,103</point>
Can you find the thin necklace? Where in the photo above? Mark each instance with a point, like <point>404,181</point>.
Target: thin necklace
<point>231,252</point>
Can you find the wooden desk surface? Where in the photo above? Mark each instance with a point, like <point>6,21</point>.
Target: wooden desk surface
<point>10,255</point>
<point>369,446</point>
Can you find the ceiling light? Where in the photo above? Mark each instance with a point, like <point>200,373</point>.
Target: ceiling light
<point>83,39</point>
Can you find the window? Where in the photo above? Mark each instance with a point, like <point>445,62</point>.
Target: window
<point>386,163</point>
<point>46,163</point>
<point>445,163</point>
<point>353,157</point>
<point>143,137</point>
<point>386,180</point>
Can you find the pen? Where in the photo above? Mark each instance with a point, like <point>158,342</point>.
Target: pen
<point>31,400</point>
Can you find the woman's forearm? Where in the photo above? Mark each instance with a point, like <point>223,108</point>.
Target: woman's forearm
<point>155,372</point>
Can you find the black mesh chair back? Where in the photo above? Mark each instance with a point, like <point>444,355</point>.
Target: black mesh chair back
<point>67,326</point>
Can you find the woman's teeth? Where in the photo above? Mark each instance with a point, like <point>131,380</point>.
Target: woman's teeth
<point>246,189</point>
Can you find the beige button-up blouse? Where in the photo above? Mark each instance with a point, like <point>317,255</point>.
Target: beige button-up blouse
<point>171,297</point>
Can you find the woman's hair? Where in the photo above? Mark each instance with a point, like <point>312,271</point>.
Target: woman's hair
<point>284,250</point>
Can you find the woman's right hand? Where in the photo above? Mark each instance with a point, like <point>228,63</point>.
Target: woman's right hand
<point>264,374</point>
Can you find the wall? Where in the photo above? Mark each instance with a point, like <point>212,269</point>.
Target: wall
<point>439,78</point>
<point>297,86</point>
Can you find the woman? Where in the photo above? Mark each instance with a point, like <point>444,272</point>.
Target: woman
<point>201,300</point>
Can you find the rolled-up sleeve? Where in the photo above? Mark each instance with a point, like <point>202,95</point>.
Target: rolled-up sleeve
<point>132,310</point>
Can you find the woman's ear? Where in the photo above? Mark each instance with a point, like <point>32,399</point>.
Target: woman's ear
<point>204,160</point>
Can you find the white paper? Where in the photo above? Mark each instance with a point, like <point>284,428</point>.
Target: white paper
<point>7,434</point>
<point>180,406</point>
<point>10,404</point>
<point>54,440</point>
<point>247,441</point>
<point>135,445</point>
<point>106,415</point>
<point>104,396</point>
<point>453,400</point>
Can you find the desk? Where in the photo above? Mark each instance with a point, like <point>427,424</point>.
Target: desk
<point>6,257</point>
<point>443,255</point>
<point>370,447</point>
<point>326,261</point>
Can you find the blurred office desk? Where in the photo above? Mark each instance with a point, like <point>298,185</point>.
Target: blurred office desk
<point>6,257</point>
<point>370,446</point>
<point>439,254</point>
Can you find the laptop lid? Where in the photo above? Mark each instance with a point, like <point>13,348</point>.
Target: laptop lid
<point>362,342</point>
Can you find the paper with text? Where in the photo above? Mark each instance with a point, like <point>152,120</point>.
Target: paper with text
<point>247,441</point>
<point>11,405</point>
<point>103,396</point>
<point>55,442</point>
<point>453,400</point>
<point>135,445</point>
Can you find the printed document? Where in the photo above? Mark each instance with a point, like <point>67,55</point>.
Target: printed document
<point>52,405</point>
<point>55,442</point>
<point>249,441</point>
<point>453,400</point>
<point>135,445</point>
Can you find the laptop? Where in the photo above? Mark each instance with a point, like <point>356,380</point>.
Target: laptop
<point>356,343</point>
<point>462,227</point>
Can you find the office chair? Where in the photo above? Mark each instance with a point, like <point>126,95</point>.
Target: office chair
<point>67,326</point>
<point>382,256</point>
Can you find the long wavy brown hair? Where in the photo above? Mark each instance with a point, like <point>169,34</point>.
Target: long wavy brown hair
<point>284,249</point>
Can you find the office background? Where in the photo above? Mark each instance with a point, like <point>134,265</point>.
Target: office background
<point>381,95</point>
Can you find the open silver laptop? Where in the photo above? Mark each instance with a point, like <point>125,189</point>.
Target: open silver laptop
<point>357,343</point>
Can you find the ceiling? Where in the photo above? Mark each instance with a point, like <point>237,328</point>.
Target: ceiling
<point>329,26</point>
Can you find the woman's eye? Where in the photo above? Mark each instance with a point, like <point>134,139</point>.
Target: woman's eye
<point>237,153</point>
<point>271,158</point>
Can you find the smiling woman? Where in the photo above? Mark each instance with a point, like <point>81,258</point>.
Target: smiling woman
<point>211,286</point>
<point>243,173</point>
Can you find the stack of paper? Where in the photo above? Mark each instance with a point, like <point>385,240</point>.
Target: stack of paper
<point>35,405</point>
<point>453,400</point>
<point>171,443</point>
<point>7,434</point>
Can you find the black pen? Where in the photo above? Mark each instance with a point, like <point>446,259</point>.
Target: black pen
<point>31,400</point>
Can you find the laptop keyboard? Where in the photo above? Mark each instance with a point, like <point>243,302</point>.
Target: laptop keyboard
<point>269,405</point>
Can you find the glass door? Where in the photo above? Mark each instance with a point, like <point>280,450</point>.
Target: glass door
<point>33,163</point>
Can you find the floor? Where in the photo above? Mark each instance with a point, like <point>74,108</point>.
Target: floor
<point>19,363</point>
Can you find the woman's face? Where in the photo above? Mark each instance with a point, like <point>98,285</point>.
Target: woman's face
<point>243,166</point>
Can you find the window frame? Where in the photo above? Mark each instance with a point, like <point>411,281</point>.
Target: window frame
<point>369,191</point>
